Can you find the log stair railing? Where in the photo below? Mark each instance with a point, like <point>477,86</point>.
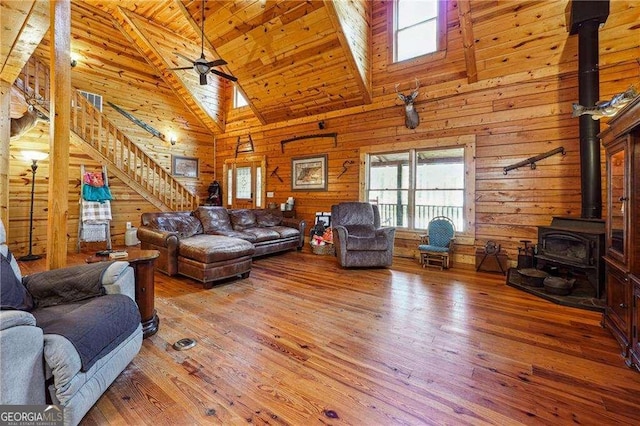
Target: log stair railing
<point>101,140</point>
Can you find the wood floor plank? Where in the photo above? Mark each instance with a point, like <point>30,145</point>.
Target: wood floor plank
<point>305,342</point>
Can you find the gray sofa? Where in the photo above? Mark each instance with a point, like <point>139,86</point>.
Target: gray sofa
<point>358,238</point>
<point>214,243</point>
<point>39,364</point>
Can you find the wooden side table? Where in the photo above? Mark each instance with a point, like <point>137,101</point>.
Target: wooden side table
<point>142,262</point>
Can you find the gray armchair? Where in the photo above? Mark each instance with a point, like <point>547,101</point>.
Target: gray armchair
<point>65,334</point>
<point>358,238</point>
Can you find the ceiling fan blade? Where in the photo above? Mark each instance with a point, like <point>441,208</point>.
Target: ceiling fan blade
<point>227,76</point>
<point>181,68</point>
<point>184,57</point>
<point>203,79</point>
<point>217,63</point>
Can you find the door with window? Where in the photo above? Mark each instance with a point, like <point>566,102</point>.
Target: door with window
<point>244,183</point>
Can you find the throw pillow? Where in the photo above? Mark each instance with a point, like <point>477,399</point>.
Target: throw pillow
<point>13,295</point>
<point>242,219</point>
<point>268,217</point>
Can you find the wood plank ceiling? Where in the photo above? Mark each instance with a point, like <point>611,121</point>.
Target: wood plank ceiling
<point>292,58</point>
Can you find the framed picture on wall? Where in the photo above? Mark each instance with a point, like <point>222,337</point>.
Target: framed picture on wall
<point>184,166</point>
<point>309,173</point>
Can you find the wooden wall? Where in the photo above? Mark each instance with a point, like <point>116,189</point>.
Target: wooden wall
<point>520,107</point>
<point>108,65</point>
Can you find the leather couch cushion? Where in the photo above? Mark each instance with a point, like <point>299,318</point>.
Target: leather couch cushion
<point>376,242</point>
<point>185,226</point>
<point>263,234</point>
<point>213,219</point>
<point>242,219</point>
<point>238,234</point>
<point>214,248</point>
<point>285,231</point>
<point>268,217</point>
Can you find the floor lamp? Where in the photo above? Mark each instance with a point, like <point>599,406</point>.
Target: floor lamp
<point>34,157</point>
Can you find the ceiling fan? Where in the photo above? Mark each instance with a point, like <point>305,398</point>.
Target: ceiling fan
<point>201,65</point>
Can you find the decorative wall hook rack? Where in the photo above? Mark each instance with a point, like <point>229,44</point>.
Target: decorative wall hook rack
<point>532,160</point>
<point>297,138</point>
<point>345,167</point>
<point>246,146</point>
<point>275,173</point>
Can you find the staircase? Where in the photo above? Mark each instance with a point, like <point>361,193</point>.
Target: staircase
<point>101,140</point>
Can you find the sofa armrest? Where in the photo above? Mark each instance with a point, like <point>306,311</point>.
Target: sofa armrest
<point>157,237</point>
<point>340,237</point>
<point>291,222</point>
<point>21,359</point>
<point>299,224</point>
<point>119,278</point>
<point>389,232</point>
<point>10,319</point>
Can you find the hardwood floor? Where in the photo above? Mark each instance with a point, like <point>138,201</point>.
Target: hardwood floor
<point>303,342</point>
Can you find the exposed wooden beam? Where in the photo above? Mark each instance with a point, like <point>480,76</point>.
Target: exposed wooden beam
<point>352,23</point>
<point>24,24</point>
<point>464,12</point>
<point>60,86</point>
<point>206,103</point>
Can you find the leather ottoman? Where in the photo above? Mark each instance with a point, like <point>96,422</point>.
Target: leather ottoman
<point>209,258</point>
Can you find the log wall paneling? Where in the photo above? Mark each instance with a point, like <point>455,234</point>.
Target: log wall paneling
<point>5,131</point>
<point>127,205</point>
<point>523,111</point>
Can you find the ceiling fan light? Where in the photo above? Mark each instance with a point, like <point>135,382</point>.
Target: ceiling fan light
<point>202,68</point>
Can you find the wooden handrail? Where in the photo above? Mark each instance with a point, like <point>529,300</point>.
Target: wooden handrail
<point>95,129</point>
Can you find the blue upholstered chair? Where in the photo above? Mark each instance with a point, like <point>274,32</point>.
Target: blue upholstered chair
<point>437,246</point>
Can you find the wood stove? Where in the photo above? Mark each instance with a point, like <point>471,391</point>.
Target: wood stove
<point>573,246</point>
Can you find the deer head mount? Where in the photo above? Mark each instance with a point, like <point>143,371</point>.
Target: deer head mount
<point>411,119</point>
<point>20,126</point>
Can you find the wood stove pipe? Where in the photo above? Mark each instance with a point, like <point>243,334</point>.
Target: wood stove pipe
<point>585,19</point>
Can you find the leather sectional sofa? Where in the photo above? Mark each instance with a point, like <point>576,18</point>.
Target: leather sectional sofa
<point>213,243</point>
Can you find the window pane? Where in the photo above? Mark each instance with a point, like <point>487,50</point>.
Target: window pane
<point>449,203</point>
<point>243,182</point>
<point>238,100</point>
<point>410,12</point>
<point>416,41</point>
<point>393,207</point>
<point>440,186</point>
<point>389,171</point>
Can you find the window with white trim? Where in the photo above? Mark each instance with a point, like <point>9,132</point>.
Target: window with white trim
<point>238,100</point>
<point>416,29</point>
<point>413,185</point>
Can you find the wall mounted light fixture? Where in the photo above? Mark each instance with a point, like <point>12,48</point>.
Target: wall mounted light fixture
<point>74,60</point>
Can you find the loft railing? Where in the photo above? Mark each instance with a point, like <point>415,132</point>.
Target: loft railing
<point>95,129</point>
<point>397,215</point>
